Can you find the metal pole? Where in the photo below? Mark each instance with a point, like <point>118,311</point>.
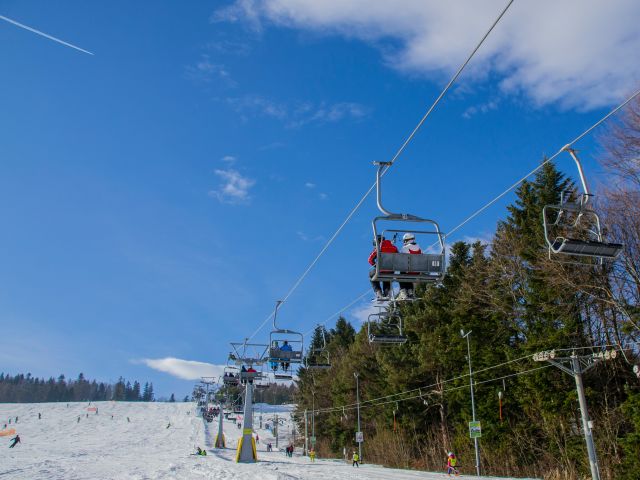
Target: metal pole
<point>306,434</point>
<point>313,420</point>
<point>358,402</point>
<point>591,450</point>
<point>275,427</point>
<point>473,403</point>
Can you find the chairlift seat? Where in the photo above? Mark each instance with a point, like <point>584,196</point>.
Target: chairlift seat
<point>319,366</point>
<point>282,376</point>
<point>423,267</point>
<point>230,380</point>
<point>289,356</point>
<point>586,248</point>
<point>389,339</point>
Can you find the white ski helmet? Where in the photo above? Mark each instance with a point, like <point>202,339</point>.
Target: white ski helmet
<point>408,237</point>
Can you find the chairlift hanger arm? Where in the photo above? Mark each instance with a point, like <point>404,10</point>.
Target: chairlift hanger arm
<point>583,179</point>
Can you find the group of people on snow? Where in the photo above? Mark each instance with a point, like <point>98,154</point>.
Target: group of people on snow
<point>382,290</point>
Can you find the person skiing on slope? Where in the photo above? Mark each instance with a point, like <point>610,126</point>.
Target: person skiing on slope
<point>409,246</point>
<point>15,440</point>
<point>451,464</point>
<point>312,455</point>
<point>385,247</point>
<point>355,458</point>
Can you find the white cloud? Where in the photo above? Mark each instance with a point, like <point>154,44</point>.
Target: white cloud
<point>362,313</point>
<point>323,196</point>
<point>573,53</point>
<point>310,185</point>
<point>184,369</point>
<point>296,114</point>
<point>234,188</point>
<point>480,109</point>
<point>205,71</point>
<point>230,159</point>
<point>308,238</point>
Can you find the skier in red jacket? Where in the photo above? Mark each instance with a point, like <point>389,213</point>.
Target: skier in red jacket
<point>385,247</point>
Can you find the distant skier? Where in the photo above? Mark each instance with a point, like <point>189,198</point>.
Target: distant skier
<point>451,464</point>
<point>312,455</point>
<point>201,452</point>
<point>39,416</point>
<point>168,424</point>
<point>257,438</point>
<point>128,421</point>
<point>78,419</point>
<point>15,440</point>
<point>16,419</point>
<point>355,459</point>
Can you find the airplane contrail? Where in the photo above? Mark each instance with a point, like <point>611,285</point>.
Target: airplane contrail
<point>26,27</point>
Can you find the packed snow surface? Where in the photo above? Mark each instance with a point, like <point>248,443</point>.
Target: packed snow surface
<point>148,441</point>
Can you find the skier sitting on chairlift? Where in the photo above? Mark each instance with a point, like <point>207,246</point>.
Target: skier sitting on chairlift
<point>409,246</point>
<point>385,247</point>
<point>251,370</point>
<point>285,348</point>
<point>274,365</point>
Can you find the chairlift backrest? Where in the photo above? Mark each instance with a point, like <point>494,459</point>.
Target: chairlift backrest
<point>407,267</point>
<point>572,229</point>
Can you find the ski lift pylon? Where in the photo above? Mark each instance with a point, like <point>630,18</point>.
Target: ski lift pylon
<point>575,231</point>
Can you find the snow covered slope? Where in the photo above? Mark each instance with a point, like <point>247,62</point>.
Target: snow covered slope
<point>105,445</point>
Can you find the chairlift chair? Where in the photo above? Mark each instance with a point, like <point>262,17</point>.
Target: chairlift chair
<point>318,358</point>
<point>573,229</point>
<point>405,267</point>
<point>230,376</point>
<point>385,327</point>
<point>284,358</point>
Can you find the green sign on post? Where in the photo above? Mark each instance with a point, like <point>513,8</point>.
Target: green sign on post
<point>475,430</point>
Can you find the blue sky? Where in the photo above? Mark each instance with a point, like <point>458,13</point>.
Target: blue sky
<point>159,196</point>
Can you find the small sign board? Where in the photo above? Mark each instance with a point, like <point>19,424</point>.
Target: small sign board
<point>359,437</point>
<point>475,430</point>
<point>313,440</point>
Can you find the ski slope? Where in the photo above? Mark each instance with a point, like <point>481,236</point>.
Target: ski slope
<point>105,445</point>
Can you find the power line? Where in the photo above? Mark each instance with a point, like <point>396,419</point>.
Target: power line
<point>387,399</point>
<point>425,387</point>
<point>393,160</point>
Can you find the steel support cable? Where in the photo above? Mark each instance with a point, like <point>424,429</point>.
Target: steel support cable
<point>414,397</point>
<point>550,159</point>
<point>386,169</point>
<point>449,380</point>
<point>351,304</point>
<point>390,398</point>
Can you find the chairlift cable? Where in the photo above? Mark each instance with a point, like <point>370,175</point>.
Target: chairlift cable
<point>393,160</point>
<point>550,159</point>
<point>343,309</point>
